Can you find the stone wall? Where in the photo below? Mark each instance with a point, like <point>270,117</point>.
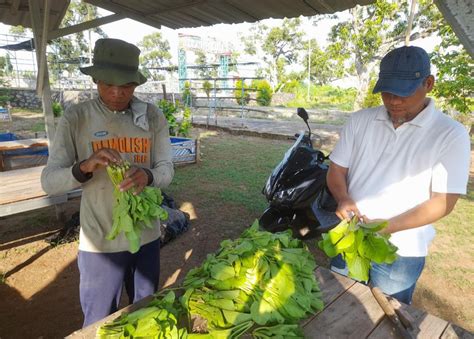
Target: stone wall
<point>26,98</point>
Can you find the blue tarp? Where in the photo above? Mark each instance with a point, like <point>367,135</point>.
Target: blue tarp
<point>12,137</point>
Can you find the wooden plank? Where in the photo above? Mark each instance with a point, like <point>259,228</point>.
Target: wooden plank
<point>31,204</point>
<point>21,184</point>
<point>427,326</point>
<point>352,315</point>
<point>21,195</point>
<point>332,284</point>
<point>453,332</point>
<point>23,173</point>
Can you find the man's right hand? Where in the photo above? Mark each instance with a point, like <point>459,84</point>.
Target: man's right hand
<point>346,209</point>
<point>99,159</point>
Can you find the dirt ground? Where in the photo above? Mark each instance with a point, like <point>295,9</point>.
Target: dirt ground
<point>40,291</point>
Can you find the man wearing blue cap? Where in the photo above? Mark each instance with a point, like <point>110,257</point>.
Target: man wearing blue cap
<point>115,126</point>
<point>405,162</point>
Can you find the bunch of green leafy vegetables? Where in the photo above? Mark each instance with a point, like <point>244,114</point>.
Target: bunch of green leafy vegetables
<point>260,279</point>
<point>132,213</point>
<point>359,244</point>
<point>158,320</point>
<point>261,284</point>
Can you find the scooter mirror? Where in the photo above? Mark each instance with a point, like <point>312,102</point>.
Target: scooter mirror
<point>302,113</point>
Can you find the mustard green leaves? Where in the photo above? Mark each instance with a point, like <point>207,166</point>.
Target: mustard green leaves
<point>133,213</point>
<point>359,244</point>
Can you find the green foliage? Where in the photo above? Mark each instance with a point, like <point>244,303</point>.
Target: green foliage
<point>185,125</point>
<point>207,87</point>
<point>279,46</point>
<point>132,213</point>
<point>155,52</point>
<point>454,80</point>
<point>264,92</point>
<point>242,96</point>
<point>159,319</point>
<point>168,110</point>
<point>261,282</point>
<point>357,44</point>
<point>372,100</point>
<point>359,244</point>
<point>290,86</point>
<point>176,128</point>
<point>323,97</point>
<point>57,109</point>
<point>6,67</point>
<point>205,71</point>
<point>4,93</point>
<point>324,68</point>
<point>73,46</point>
<point>187,95</point>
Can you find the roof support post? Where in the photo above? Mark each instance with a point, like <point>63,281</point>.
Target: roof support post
<point>40,31</point>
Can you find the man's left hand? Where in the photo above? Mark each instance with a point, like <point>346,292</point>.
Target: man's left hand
<point>136,178</point>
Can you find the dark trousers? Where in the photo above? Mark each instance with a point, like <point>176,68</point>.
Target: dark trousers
<point>102,277</point>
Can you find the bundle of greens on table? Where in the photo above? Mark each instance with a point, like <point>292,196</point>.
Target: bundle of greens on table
<point>132,213</point>
<point>261,285</point>
<point>359,244</point>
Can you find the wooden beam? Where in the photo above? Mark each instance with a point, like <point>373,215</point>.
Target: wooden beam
<point>84,26</point>
<point>43,89</point>
<point>42,63</point>
<point>14,7</point>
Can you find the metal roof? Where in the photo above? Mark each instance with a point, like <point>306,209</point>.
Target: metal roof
<point>186,13</point>
<point>195,13</point>
<point>183,13</point>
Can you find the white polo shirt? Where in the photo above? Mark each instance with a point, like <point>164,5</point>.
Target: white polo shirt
<point>393,170</point>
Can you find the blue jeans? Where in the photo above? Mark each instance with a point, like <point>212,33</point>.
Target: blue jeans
<point>102,277</point>
<point>397,279</point>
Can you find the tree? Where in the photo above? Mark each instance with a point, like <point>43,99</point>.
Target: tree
<point>18,31</point>
<point>280,47</point>
<point>323,68</point>
<point>69,49</point>
<point>201,61</point>
<point>155,53</point>
<point>454,79</point>
<point>4,92</point>
<point>373,30</point>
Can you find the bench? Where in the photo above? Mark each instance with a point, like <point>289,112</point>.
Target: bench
<point>20,191</point>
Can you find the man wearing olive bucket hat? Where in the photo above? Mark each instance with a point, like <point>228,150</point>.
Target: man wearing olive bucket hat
<point>115,126</point>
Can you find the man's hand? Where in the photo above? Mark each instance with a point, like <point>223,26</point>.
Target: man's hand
<point>136,178</point>
<point>346,209</point>
<point>100,159</point>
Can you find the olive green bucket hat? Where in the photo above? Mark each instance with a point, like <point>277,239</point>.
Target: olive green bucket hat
<point>115,62</point>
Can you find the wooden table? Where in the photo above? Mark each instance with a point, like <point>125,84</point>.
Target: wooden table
<point>20,191</point>
<point>350,311</point>
<point>19,144</point>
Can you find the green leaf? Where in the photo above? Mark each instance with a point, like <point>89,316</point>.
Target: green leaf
<point>222,271</point>
<point>358,266</point>
<point>375,226</point>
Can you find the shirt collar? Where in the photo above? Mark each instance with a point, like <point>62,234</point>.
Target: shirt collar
<point>421,120</point>
<point>138,109</point>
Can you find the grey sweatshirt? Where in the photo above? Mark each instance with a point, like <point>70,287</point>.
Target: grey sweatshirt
<point>89,126</point>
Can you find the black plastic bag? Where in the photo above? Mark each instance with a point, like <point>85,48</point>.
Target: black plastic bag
<point>299,178</point>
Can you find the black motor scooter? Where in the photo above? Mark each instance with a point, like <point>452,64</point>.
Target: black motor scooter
<point>295,185</point>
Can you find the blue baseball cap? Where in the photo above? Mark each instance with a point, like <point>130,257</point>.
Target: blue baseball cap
<point>402,71</point>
